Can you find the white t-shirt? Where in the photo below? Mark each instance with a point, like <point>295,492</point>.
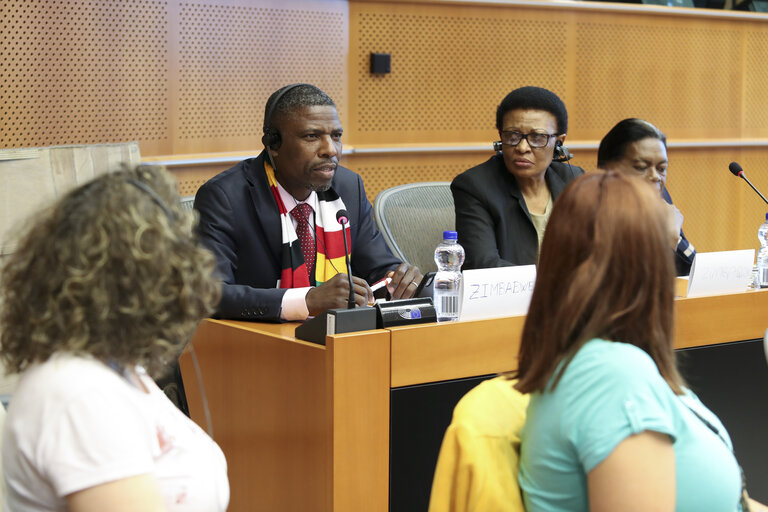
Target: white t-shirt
<point>75,423</point>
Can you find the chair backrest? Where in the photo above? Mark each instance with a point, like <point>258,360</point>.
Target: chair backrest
<point>412,219</point>
<point>187,202</point>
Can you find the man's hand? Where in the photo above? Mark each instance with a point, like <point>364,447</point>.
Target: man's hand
<point>405,280</point>
<point>334,293</point>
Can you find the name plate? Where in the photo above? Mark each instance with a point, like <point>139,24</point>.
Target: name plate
<point>714,273</point>
<point>496,292</point>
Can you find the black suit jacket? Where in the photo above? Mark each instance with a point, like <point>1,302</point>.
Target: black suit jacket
<point>240,223</point>
<point>492,220</point>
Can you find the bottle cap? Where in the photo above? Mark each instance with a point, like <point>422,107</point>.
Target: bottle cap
<point>451,235</point>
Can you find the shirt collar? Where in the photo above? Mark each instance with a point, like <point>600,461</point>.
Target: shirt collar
<point>290,202</point>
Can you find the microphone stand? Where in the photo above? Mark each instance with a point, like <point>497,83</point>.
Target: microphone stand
<point>351,300</point>
<point>751,185</point>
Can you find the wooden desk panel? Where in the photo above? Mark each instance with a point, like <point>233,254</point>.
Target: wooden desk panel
<point>269,409</point>
<point>359,387</point>
<point>720,318</point>
<point>306,427</point>
<point>432,353</point>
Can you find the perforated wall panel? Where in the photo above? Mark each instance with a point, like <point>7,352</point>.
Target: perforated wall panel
<point>80,72</point>
<point>450,68</point>
<point>233,56</point>
<point>686,80</point>
<point>179,77</point>
<point>755,83</point>
<point>696,77</point>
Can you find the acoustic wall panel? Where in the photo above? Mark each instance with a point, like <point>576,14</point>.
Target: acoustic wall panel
<point>685,79</point>
<point>696,76</point>
<point>451,65</point>
<point>755,91</point>
<point>179,77</point>
<point>233,55</point>
<point>83,72</point>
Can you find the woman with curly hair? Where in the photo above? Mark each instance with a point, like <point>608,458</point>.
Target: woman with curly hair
<point>106,286</point>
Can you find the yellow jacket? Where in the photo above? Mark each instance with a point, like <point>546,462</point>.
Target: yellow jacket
<point>479,458</point>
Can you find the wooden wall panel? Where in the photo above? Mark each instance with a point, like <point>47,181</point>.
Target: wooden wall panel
<point>78,72</point>
<point>684,77</point>
<point>451,65</point>
<point>233,54</point>
<point>192,77</point>
<point>695,76</point>
<point>179,77</point>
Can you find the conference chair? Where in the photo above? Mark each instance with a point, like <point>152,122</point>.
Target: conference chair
<point>187,202</point>
<point>412,218</point>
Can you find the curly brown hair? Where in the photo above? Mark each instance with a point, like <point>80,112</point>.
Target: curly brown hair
<point>113,270</point>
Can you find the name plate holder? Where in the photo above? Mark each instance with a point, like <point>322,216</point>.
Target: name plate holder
<point>337,321</point>
<point>496,292</point>
<point>714,273</point>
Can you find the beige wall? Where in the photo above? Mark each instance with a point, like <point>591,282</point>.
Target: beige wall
<point>190,78</point>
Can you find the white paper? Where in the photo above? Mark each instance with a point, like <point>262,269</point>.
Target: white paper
<point>715,273</point>
<point>496,292</point>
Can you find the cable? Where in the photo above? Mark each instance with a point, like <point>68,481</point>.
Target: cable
<point>203,396</point>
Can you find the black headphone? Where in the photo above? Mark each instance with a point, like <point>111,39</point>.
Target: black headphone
<point>271,138</point>
<point>152,195</point>
<point>561,153</point>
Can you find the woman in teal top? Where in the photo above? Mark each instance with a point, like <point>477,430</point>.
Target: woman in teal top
<point>611,425</point>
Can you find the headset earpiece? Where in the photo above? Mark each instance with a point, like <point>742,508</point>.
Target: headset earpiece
<point>271,138</point>
<point>497,146</point>
<point>561,153</point>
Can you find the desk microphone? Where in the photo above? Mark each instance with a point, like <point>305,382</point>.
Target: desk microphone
<point>342,217</point>
<point>737,171</point>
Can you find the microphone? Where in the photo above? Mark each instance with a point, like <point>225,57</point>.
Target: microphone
<point>342,217</point>
<point>737,171</point>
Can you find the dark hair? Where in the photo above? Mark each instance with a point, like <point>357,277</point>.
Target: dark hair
<point>290,98</point>
<point>614,144</point>
<point>605,271</point>
<point>111,271</point>
<point>534,98</point>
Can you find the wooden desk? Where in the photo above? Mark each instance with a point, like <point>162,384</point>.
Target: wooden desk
<point>307,427</point>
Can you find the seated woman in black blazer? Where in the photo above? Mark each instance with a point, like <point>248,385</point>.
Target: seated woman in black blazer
<point>502,205</point>
<point>636,146</point>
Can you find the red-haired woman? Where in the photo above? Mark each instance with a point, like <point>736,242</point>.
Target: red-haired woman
<point>611,424</point>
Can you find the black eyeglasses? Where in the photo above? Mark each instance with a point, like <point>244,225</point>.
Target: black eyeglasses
<point>534,139</point>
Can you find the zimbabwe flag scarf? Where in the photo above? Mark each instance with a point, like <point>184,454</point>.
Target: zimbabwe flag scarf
<point>330,244</point>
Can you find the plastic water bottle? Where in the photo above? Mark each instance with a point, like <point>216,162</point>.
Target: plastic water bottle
<point>449,256</point>
<point>762,255</point>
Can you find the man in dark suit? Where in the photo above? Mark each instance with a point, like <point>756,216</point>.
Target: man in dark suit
<point>271,220</point>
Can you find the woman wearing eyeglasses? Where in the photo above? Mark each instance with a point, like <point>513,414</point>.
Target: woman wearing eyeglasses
<point>503,205</point>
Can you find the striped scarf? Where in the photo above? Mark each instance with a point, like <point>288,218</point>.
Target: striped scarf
<point>330,244</point>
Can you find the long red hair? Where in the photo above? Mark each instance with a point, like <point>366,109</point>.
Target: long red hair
<point>606,270</point>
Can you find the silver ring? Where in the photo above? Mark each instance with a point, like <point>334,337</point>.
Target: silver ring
<point>414,283</point>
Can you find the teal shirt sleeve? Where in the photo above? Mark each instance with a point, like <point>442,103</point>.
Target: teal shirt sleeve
<point>620,393</point>
<point>608,392</point>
